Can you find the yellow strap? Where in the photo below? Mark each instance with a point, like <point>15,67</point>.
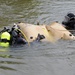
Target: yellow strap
<point>24,36</point>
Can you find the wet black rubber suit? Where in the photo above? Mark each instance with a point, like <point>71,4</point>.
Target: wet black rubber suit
<point>69,21</point>
<point>16,37</point>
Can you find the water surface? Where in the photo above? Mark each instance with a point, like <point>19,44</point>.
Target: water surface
<point>39,58</point>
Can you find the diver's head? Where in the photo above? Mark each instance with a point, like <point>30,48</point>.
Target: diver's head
<point>69,16</point>
<point>14,27</point>
<point>7,29</point>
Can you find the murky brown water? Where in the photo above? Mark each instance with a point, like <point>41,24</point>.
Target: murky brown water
<point>38,58</point>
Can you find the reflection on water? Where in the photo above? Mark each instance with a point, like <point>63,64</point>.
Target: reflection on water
<point>3,51</point>
<point>38,58</point>
<point>11,62</point>
<point>5,59</point>
<point>7,68</point>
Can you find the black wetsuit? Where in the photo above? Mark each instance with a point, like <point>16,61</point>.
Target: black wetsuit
<point>70,24</point>
<point>16,38</point>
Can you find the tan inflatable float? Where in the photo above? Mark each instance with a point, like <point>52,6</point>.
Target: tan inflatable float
<point>52,32</point>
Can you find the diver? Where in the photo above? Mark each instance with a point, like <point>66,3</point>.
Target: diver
<point>69,21</point>
<point>16,37</point>
<point>11,36</point>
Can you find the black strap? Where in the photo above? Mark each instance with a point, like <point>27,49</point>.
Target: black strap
<point>4,40</point>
